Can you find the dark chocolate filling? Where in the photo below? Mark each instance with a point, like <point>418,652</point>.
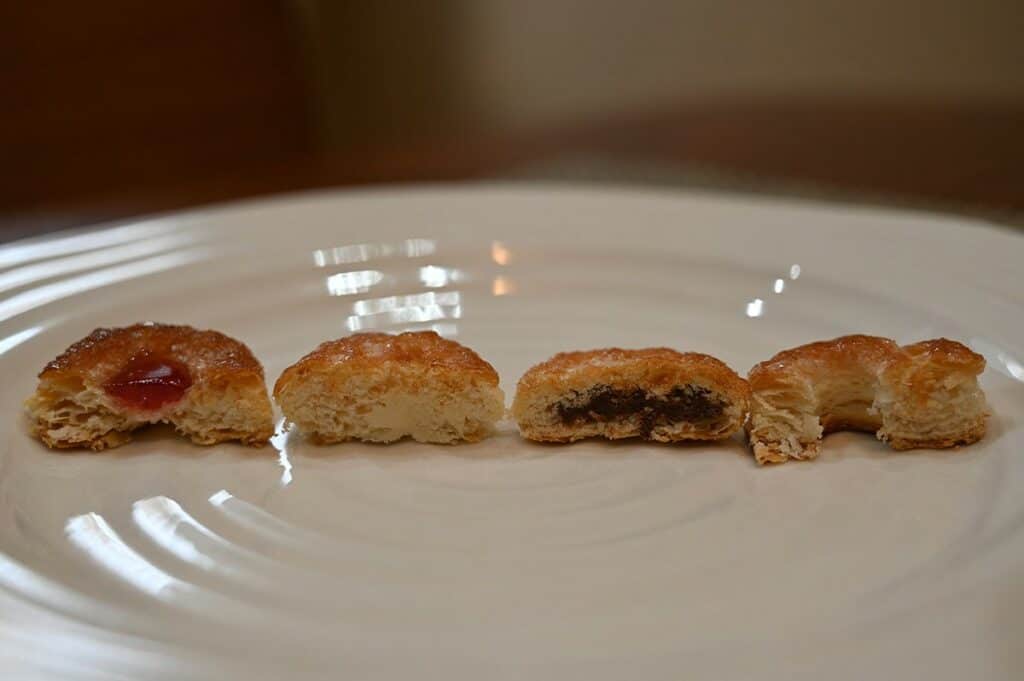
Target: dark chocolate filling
<point>604,403</point>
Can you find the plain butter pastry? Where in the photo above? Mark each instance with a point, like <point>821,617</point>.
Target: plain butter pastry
<point>924,395</point>
<point>380,388</point>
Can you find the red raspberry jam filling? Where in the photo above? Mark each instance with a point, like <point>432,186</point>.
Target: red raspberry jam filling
<point>148,382</point>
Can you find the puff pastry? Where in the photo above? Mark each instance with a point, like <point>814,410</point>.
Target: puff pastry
<point>924,395</point>
<point>208,386</point>
<point>656,393</point>
<point>380,388</point>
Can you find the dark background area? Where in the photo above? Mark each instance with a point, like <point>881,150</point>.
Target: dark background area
<point>117,108</point>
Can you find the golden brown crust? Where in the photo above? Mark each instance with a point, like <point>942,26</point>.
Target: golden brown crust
<point>923,395</point>
<point>858,349</point>
<point>584,365</point>
<point>226,398</point>
<point>947,353</point>
<point>656,371</point>
<point>368,351</point>
<point>207,353</point>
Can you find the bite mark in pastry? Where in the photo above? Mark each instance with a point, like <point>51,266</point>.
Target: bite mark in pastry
<point>656,393</point>
<point>378,387</point>
<point>208,386</point>
<point>924,395</point>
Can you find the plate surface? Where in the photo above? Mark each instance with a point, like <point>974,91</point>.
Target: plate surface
<point>503,559</point>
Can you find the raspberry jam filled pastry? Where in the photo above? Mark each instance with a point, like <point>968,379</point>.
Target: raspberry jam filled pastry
<point>656,393</point>
<point>924,395</point>
<point>205,384</point>
<point>378,387</point>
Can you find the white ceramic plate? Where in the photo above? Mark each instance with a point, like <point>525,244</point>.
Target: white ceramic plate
<point>506,560</point>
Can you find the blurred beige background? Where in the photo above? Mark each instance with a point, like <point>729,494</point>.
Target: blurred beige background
<point>118,107</point>
<point>528,64</point>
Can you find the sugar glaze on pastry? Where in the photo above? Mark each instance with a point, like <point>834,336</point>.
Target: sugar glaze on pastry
<point>924,395</point>
<point>655,393</point>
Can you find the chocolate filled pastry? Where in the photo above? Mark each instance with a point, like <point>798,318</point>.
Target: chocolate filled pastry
<point>205,384</point>
<point>924,395</point>
<point>380,388</point>
<point>656,393</point>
